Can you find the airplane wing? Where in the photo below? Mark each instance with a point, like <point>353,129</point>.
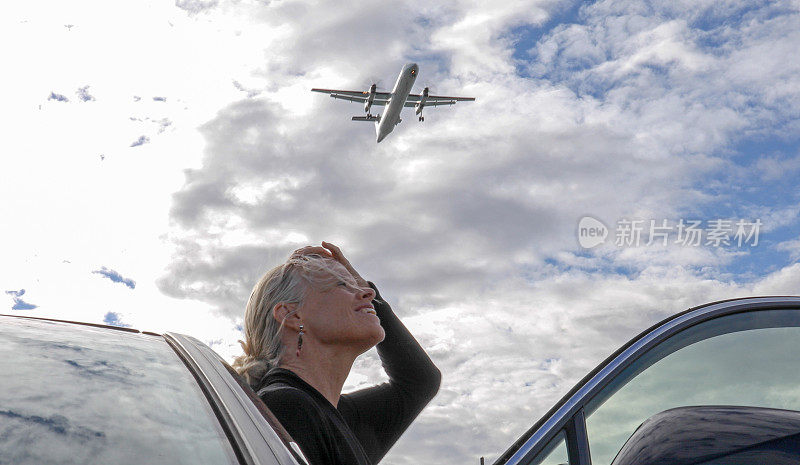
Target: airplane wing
<point>429,103</point>
<point>438,98</point>
<point>381,98</point>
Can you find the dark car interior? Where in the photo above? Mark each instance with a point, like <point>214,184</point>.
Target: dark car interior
<point>719,435</point>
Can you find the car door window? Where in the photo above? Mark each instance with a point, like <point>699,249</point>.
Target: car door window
<point>746,359</point>
<point>73,394</point>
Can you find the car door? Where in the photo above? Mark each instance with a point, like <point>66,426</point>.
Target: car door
<point>731,365</point>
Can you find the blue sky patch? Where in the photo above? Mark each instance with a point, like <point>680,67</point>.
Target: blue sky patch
<point>526,37</point>
<point>57,97</point>
<point>114,319</point>
<point>735,16</point>
<point>84,95</point>
<point>140,141</point>
<point>758,183</point>
<point>20,304</point>
<point>116,277</point>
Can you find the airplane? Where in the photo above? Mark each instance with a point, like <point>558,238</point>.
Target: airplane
<point>394,101</point>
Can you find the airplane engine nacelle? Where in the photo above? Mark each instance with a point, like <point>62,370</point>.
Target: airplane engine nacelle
<point>370,97</point>
<point>422,98</point>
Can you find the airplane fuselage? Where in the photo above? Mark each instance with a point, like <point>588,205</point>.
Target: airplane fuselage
<point>391,115</point>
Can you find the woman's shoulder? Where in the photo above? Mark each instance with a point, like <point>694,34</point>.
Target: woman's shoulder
<point>292,406</point>
<point>281,392</point>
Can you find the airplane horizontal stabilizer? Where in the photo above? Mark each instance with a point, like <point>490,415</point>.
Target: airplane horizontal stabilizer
<point>367,118</point>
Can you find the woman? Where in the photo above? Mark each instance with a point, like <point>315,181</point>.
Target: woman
<point>306,322</point>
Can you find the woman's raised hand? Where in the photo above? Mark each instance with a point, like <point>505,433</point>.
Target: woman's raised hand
<point>309,249</point>
<point>331,251</point>
<point>337,255</point>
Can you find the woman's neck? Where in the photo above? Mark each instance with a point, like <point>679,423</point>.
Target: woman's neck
<point>324,372</point>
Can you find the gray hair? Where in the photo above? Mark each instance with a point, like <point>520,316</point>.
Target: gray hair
<point>286,283</point>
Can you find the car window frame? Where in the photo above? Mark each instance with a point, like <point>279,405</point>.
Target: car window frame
<point>568,414</point>
<point>251,433</point>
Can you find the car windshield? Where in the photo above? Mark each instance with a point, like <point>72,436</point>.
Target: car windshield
<point>78,394</point>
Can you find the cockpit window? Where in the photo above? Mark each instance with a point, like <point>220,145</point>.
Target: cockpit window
<point>72,394</point>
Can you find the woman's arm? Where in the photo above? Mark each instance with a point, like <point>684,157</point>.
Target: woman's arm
<point>380,414</point>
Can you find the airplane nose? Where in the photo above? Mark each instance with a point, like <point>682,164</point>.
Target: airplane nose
<point>381,132</point>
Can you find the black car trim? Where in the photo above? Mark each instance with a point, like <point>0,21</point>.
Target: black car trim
<point>737,306</point>
<point>578,440</point>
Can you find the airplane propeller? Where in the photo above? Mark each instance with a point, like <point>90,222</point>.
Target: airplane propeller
<point>374,80</point>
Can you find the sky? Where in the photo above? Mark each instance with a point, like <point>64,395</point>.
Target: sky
<point>623,161</point>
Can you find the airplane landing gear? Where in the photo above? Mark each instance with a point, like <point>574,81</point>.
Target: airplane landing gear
<point>422,118</point>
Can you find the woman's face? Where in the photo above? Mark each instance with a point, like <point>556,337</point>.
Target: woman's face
<point>341,313</point>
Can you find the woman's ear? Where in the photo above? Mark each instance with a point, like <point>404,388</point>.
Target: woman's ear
<point>286,313</point>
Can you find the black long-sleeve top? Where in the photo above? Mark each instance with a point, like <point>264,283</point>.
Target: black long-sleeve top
<point>367,422</point>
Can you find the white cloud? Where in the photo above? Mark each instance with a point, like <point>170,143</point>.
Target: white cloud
<point>773,167</point>
<point>790,246</point>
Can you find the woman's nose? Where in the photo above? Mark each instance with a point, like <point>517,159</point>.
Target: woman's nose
<point>368,292</point>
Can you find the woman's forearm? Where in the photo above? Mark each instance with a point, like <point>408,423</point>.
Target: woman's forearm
<point>405,361</point>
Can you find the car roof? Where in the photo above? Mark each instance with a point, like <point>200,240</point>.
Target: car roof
<point>83,323</point>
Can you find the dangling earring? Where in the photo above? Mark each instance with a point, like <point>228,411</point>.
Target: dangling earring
<point>300,340</point>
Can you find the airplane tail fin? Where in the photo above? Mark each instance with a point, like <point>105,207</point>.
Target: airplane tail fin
<point>375,118</point>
